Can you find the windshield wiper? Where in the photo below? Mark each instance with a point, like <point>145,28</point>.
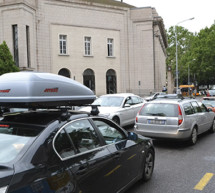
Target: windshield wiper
<point>156,114</point>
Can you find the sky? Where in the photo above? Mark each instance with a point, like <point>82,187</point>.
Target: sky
<point>175,11</point>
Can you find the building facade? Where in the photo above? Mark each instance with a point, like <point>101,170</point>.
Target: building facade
<point>107,45</point>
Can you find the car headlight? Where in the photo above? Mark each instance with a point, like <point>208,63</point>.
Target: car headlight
<point>3,189</point>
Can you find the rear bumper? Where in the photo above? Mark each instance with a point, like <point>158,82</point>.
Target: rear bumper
<point>178,134</point>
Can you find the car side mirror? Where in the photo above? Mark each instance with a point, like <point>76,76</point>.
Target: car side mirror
<point>132,136</point>
<point>127,105</point>
<point>210,110</point>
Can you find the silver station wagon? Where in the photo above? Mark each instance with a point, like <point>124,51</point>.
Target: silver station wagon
<point>174,119</point>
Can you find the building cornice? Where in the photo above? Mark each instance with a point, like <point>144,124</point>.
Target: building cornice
<point>159,21</point>
<point>18,2</point>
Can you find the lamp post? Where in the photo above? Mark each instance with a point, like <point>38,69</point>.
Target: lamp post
<point>188,74</point>
<point>176,53</point>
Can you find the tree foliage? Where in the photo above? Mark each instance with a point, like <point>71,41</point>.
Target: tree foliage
<point>6,60</point>
<point>195,51</point>
<point>184,43</point>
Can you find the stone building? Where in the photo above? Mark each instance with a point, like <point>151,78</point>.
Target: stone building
<point>107,45</point>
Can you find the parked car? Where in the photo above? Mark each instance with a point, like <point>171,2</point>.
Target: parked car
<point>209,102</point>
<point>121,108</point>
<point>164,96</point>
<point>170,96</point>
<point>210,93</point>
<point>56,149</point>
<point>154,96</point>
<point>174,119</point>
<point>48,151</point>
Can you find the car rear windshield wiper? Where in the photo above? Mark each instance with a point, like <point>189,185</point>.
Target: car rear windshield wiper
<point>156,114</point>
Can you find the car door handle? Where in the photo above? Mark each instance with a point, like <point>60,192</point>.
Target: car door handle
<point>117,155</point>
<point>81,170</point>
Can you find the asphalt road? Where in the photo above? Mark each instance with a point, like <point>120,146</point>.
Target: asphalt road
<point>180,168</point>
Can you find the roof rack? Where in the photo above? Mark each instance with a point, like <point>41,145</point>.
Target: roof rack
<point>95,110</point>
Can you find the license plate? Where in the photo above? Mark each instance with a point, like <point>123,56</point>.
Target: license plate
<point>159,122</point>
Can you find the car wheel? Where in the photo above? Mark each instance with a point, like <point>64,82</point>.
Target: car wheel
<point>193,137</point>
<point>116,120</point>
<point>149,165</point>
<point>212,129</point>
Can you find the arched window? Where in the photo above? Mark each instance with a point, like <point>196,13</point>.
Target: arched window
<point>89,79</point>
<point>64,72</point>
<point>111,84</point>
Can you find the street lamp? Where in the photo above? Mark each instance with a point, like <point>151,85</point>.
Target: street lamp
<point>188,74</point>
<point>176,54</point>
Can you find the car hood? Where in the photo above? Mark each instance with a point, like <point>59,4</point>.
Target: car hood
<point>102,110</point>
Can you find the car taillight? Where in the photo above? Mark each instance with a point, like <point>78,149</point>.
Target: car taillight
<point>140,109</point>
<point>136,119</point>
<point>180,117</point>
<point>139,113</point>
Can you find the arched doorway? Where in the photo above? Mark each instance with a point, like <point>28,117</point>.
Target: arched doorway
<point>89,79</point>
<point>111,84</point>
<point>64,72</point>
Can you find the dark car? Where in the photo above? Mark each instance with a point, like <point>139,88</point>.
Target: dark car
<point>154,96</point>
<point>51,151</point>
<point>60,150</point>
<point>170,96</point>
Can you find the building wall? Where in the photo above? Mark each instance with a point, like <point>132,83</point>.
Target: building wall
<point>76,61</point>
<point>147,56</point>
<point>79,20</point>
<point>139,58</point>
<point>160,65</point>
<point>22,16</point>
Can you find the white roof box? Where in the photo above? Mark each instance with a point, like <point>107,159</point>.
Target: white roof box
<point>38,90</point>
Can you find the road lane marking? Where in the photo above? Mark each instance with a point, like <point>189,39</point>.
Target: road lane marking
<point>204,181</point>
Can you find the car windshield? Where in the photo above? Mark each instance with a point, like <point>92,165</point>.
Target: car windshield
<point>12,140</point>
<point>159,109</point>
<point>210,102</point>
<point>109,101</point>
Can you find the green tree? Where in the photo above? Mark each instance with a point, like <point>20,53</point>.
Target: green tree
<point>184,42</point>
<point>7,63</point>
<point>203,52</point>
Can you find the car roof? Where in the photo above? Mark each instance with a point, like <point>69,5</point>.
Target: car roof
<point>172,101</point>
<point>168,95</point>
<point>119,95</point>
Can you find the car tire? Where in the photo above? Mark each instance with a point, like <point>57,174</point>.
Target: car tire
<point>116,120</point>
<point>193,137</point>
<point>212,129</point>
<point>149,165</point>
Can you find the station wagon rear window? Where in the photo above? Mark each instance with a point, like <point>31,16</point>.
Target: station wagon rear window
<point>159,109</point>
